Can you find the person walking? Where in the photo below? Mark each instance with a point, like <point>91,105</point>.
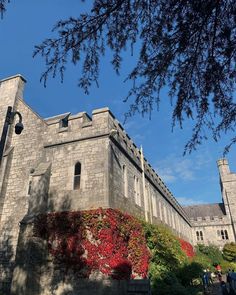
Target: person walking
<point>219,276</point>
<point>224,288</point>
<point>205,280</point>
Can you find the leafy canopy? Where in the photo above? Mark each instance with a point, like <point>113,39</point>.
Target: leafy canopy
<point>187,45</point>
<point>3,6</point>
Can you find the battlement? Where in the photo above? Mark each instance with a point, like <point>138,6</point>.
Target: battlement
<point>12,78</point>
<point>207,219</point>
<point>103,123</point>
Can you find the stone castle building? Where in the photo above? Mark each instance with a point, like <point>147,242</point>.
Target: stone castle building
<point>78,162</point>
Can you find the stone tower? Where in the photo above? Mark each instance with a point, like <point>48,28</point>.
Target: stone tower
<point>228,190</point>
<point>20,154</point>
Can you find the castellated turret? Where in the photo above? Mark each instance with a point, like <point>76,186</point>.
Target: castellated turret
<point>223,167</point>
<point>228,189</point>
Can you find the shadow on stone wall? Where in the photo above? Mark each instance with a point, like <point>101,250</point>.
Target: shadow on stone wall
<point>62,203</point>
<point>69,283</point>
<point>6,258</point>
<point>35,272</point>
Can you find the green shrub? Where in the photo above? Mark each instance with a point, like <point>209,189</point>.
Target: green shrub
<point>203,260</point>
<point>229,252</point>
<point>164,245</point>
<point>212,252</point>
<point>168,284</point>
<point>170,271</point>
<point>189,272</point>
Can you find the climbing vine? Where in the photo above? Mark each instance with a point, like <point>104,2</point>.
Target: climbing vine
<point>104,240</point>
<point>187,248</point>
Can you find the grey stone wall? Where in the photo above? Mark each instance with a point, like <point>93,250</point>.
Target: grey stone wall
<point>228,189</point>
<point>37,175</point>
<point>210,228</point>
<point>21,152</point>
<point>161,206</point>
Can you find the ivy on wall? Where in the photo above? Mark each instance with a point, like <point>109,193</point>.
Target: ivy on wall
<point>187,248</point>
<point>110,242</point>
<point>104,240</point>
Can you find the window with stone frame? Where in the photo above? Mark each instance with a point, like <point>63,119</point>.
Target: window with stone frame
<point>125,181</point>
<point>77,176</point>
<point>154,204</point>
<point>160,210</point>
<point>137,195</point>
<point>199,235</point>
<point>64,122</point>
<point>224,234</point>
<point>29,187</point>
<point>165,214</point>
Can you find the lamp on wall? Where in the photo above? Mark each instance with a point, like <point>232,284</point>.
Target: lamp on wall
<point>8,121</point>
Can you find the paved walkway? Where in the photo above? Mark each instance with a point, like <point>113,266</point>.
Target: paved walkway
<point>215,289</point>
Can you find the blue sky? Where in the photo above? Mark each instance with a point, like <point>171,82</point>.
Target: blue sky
<point>192,178</point>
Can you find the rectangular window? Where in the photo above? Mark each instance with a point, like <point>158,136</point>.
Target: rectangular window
<point>137,195</point>
<point>160,210</point>
<point>77,175</point>
<point>165,213</point>
<point>125,181</point>
<point>30,187</point>
<point>173,218</point>
<point>201,235</point>
<point>154,205</point>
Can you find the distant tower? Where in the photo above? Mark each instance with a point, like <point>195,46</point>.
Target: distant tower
<point>228,190</point>
<point>10,90</point>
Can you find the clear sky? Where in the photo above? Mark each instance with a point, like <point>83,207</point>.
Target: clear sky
<point>192,178</point>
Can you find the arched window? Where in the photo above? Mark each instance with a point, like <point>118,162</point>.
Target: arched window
<point>201,235</point>
<point>226,235</point>
<point>222,234</point>
<point>154,205</point>
<point>160,210</point>
<point>77,175</point>
<point>125,181</point>
<point>197,234</point>
<point>30,187</point>
<point>137,191</point>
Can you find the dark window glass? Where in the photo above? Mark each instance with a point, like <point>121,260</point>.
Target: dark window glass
<point>222,234</point>
<point>64,122</point>
<point>226,235</point>
<point>29,188</point>
<point>201,236</point>
<point>77,176</point>
<point>197,233</point>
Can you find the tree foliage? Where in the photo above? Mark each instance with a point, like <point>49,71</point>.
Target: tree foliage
<point>170,271</point>
<point>187,45</point>
<point>212,253</point>
<point>229,251</point>
<point>165,247</point>
<point>3,6</point>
